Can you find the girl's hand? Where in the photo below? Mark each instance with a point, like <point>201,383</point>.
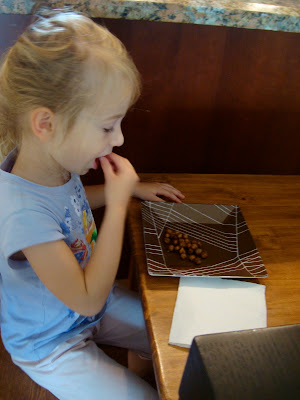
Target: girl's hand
<point>120,179</point>
<point>150,191</point>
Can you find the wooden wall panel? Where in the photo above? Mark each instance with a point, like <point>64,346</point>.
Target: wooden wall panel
<point>215,100</point>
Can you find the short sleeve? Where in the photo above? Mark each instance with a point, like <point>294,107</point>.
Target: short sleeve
<point>27,228</point>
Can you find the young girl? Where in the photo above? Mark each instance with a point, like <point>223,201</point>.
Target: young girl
<point>65,87</point>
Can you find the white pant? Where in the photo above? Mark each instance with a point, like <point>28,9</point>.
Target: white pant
<point>78,370</point>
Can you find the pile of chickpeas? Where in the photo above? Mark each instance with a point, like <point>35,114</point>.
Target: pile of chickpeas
<point>187,249</point>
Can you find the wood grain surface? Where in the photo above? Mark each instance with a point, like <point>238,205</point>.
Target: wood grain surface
<point>271,207</point>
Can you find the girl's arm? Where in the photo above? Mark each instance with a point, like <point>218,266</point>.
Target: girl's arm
<point>95,196</point>
<point>143,190</point>
<point>85,291</point>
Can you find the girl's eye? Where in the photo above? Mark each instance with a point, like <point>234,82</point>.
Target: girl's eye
<point>108,130</point>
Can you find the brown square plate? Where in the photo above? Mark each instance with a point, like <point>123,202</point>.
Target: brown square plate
<point>217,229</point>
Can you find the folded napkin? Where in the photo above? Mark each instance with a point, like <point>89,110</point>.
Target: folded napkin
<point>211,305</point>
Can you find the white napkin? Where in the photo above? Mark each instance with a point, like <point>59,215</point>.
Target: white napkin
<point>211,305</point>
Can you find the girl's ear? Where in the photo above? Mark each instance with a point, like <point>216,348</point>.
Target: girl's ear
<point>42,123</point>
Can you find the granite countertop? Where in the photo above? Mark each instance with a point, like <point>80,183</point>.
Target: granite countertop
<point>276,15</point>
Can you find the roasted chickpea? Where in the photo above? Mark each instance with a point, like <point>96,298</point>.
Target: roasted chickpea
<point>204,254</point>
<point>198,252</point>
<point>180,243</point>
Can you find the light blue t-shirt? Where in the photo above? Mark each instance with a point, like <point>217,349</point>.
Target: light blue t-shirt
<point>33,320</point>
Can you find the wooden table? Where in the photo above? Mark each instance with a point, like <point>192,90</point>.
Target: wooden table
<point>271,207</point>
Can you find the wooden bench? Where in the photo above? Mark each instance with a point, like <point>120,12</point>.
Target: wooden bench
<point>15,384</point>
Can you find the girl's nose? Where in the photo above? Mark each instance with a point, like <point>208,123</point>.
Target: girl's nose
<point>118,139</point>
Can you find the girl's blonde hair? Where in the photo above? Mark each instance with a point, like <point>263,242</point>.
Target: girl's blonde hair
<point>48,65</point>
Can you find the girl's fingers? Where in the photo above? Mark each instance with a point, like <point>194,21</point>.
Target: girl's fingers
<point>156,198</point>
<point>113,161</point>
<point>170,195</point>
<point>159,199</point>
<point>173,189</point>
<point>106,167</point>
<point>115,158</point>
<point>119,163</point>
<point>111,156</point>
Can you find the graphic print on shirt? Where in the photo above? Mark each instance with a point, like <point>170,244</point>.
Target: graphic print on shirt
<point>83,222</point>
<point>89,227</point>
<point>66,225</point>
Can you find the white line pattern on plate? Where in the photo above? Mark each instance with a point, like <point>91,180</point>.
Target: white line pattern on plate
<point>161,216</point>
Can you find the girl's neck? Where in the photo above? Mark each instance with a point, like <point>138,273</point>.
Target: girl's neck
<point>38,167</point>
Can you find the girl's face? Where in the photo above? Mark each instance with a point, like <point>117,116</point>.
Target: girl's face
<point>93,135</point>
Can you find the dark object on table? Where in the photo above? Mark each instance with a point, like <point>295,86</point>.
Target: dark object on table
<point>255,364</point>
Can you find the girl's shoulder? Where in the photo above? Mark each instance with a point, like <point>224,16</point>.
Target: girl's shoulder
<point>29,213</point>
